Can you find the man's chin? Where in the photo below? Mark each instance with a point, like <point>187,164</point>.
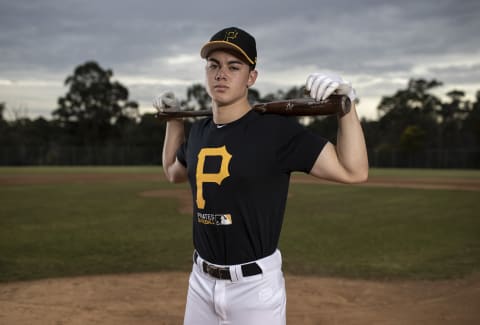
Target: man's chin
<point>222,101</point>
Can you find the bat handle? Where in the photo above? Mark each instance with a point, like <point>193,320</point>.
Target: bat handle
<point>334,104</point>
<point>342,101</point>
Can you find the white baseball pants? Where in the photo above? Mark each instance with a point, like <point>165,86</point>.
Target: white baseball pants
<point>257,299</point>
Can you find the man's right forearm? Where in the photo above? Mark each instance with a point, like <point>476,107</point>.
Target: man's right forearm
<point>174,137</point>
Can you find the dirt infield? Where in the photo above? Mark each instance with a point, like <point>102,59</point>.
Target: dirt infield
<point>159,298</point>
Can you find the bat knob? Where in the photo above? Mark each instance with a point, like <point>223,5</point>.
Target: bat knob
<point>346,105</point>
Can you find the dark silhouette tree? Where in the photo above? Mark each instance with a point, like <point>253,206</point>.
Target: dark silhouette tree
<point>452,116</point>
<point>471,126</point>
<point>2,109</point>
<point>412,141</point>
<point>4,134</point>
<point>253,96</point>
<point>96,119</point>
<point>93,104</point>
<point>414,105</point>
<point>197,97</point>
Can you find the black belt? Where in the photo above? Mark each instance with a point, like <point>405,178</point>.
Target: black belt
<point>223,273</point>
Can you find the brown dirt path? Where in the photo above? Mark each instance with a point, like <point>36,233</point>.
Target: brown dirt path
<point>159,298</point>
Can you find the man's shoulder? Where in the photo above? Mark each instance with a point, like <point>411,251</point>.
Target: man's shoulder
<point>202,123</point>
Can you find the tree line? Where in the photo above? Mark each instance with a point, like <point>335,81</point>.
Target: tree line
<point>96,123</point>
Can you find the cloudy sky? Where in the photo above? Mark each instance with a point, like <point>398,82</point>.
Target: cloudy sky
<point>153,45</point>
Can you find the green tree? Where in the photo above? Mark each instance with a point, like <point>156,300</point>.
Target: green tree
<point>93,104</point>
<point>415,97</point>
<point>197,97</point>
<point>253,96</point>
<point>412,139</point>
<point>2,109</point>
<point>456,108</point>
<point>4,136</point>
<point>414,105</point>
<point>295,92</point>
<point>471,126</point>
<point>452,116</point>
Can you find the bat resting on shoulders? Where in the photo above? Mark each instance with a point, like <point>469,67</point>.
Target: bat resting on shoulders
<point>334,104</point>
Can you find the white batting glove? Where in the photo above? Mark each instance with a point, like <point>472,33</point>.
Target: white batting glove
<point>166,101</point>
<point>321,85</point>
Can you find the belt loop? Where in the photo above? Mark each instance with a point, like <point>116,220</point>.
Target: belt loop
<point>195,256</point>
<point>235,273</point>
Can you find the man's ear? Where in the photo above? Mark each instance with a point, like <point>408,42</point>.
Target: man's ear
<point>252,77</point>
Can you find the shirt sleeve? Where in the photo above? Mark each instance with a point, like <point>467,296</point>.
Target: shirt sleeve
<point>298,147</point>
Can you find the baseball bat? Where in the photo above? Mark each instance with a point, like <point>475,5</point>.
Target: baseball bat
<point>334,104</point>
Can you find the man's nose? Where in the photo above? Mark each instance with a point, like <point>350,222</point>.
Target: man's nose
<point>221,74</point>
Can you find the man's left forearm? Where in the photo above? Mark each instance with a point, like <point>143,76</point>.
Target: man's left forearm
<point>351,148</point>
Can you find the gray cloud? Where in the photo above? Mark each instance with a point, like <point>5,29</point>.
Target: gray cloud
<point>458,74</point>
<point>148,43</point>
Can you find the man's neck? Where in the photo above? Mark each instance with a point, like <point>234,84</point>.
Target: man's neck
<point>224,114</point>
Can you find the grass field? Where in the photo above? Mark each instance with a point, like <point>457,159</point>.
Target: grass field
<point>78,228</point>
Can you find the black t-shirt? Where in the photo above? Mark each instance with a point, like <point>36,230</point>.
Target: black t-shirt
<point>239,175</point>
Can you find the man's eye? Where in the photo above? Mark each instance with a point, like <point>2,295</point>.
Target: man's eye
<point>234,68</point>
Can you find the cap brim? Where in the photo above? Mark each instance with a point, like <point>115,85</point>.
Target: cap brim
<point>221,45</point>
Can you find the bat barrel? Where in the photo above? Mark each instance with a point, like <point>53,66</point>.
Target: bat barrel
<point>334,104</point>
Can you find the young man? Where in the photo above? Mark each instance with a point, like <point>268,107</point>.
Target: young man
<point>238,164</point>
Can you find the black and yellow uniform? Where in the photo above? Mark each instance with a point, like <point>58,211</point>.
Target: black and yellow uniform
<point>239,174</point>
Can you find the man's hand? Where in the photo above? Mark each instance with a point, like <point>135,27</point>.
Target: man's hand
<point>321,85</point>
<point>166,101</point>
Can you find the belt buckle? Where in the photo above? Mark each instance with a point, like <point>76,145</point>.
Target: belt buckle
<point>217,272</point>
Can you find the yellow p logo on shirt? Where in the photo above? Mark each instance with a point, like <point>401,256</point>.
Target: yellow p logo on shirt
<point>203,177</point>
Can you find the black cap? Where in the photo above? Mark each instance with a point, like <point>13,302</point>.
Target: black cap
<point>233,38</point>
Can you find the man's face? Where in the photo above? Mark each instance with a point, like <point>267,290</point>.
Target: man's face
<point>228,78</point>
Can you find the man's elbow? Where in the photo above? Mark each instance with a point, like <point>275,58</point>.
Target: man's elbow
<point>176,179</point>
<point>171,177</point>
<point>360,176</point>
<point>174,175</point>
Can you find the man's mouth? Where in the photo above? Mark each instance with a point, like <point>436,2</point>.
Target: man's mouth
<point>220,87</point>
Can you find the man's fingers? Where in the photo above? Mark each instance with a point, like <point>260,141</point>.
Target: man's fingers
<point>157,102</point>
<point>165,101</point>
<point>322,85</point>
<point>317,87</point>
<point>330,89</point>
<point>310,80</point>
<point>168,102</point>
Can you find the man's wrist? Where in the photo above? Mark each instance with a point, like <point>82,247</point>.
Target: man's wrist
<point>175,120</point>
